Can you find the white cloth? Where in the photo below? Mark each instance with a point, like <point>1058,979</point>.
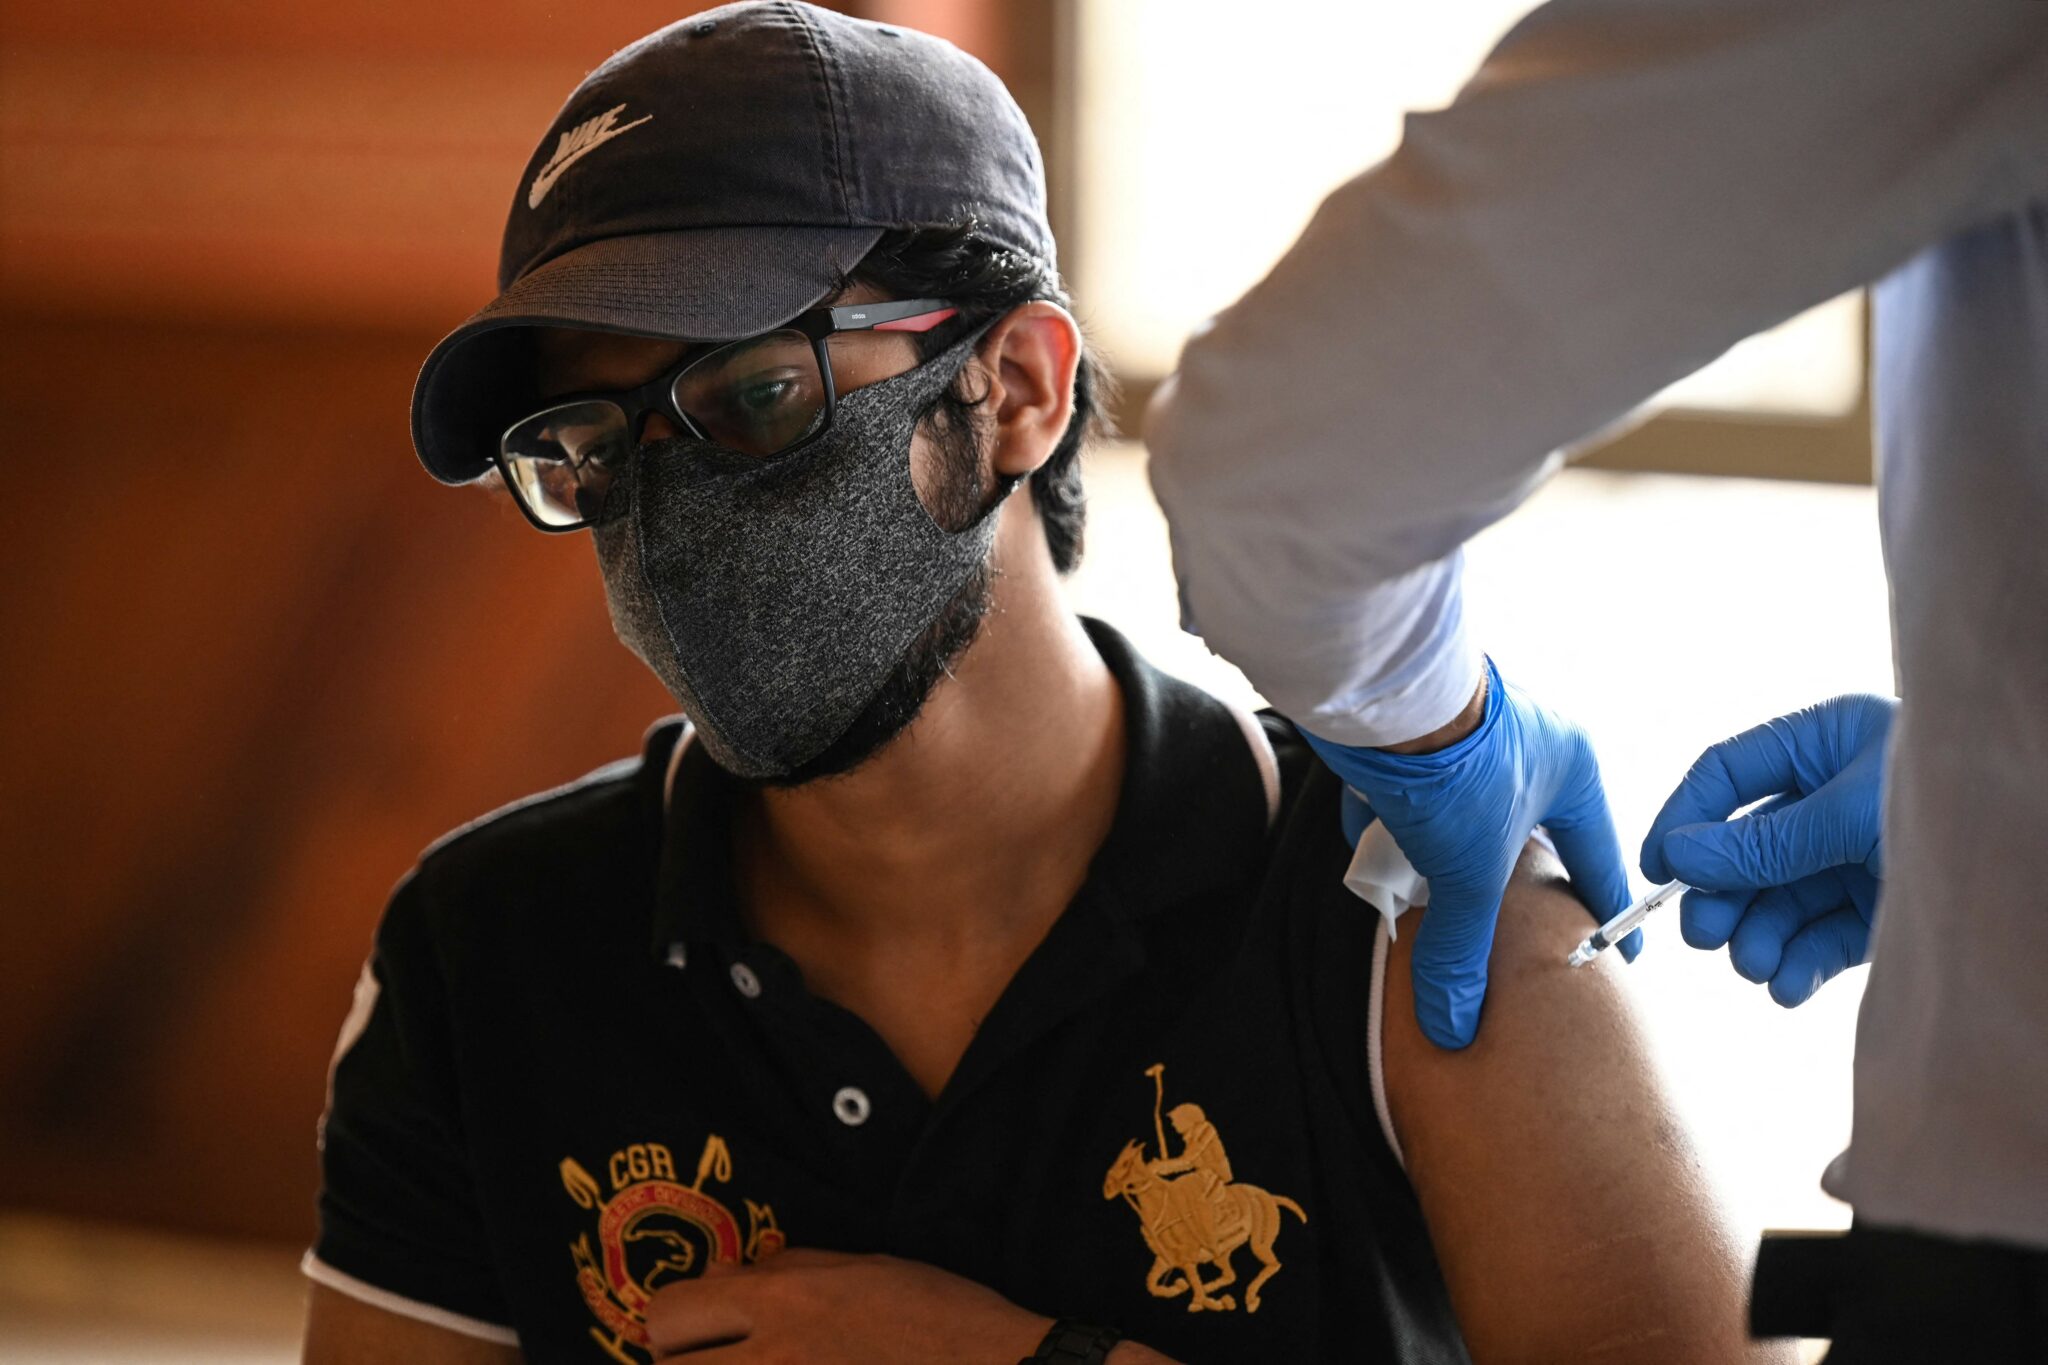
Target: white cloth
<point>1626,188</point>
<point>1381,875</point>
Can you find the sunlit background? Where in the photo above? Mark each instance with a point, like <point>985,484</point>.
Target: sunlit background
<point>1201,142</point>
<point>256,660</point>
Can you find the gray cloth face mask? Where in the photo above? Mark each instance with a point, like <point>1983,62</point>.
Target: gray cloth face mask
<point>774,598</point>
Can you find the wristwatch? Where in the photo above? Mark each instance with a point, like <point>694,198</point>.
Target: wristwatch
<point>1074,1343</point>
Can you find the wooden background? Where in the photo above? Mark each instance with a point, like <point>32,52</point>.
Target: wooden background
<point>251,658</point>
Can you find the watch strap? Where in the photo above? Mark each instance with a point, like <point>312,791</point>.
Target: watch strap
<point>1074,1343</point>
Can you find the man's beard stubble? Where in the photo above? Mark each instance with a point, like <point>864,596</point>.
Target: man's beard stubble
<point>908,687</point>
<point>960,500</point>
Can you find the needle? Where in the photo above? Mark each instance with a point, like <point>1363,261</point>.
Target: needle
<point>1619,928</point>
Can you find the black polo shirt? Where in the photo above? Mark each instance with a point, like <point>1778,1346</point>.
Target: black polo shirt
<point>571,1076</point>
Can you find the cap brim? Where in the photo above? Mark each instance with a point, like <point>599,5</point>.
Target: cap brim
<point>704,284</point>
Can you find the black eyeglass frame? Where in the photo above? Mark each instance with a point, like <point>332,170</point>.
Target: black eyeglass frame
<point>659,394</point>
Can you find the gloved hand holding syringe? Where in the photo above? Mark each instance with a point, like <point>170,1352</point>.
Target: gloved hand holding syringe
<point>1782,822</point>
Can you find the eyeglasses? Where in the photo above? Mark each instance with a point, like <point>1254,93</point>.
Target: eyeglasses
<point>764,396</point>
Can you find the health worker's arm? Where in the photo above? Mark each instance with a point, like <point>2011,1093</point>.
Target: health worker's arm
<point>1624,189</point>
<point>1569,1212</point>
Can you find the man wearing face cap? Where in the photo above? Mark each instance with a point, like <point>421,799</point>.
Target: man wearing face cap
<point>816,1031</point>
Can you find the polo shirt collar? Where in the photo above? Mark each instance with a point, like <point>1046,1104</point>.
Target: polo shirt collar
<point>1200,791</point>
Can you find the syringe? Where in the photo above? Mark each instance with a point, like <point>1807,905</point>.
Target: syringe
<point>1623,924</point>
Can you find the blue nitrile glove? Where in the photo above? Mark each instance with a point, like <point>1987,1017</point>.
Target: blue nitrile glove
<point>1791,887</point>
<point>1461,816</point>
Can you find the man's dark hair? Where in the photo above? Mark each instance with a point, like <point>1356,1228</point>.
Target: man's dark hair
<point>983,281</point>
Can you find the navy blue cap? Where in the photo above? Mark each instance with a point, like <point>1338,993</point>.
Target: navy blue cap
<point>720,176</point>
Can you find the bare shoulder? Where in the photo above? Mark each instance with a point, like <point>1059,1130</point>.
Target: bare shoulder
<point>345,1331</point>
<point>1569,1210</point>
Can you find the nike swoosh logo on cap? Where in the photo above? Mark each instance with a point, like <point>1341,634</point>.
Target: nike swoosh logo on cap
<point>585,138</point>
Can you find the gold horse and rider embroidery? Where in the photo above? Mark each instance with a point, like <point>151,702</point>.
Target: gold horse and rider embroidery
<point>1193,1211</point>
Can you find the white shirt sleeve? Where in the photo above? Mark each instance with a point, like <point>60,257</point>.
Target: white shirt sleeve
<point>1623,190</point>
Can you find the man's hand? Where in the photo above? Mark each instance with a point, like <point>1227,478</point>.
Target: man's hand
<point>1461,815</point>
<point>824,1307</point>
<point>1790,888</point>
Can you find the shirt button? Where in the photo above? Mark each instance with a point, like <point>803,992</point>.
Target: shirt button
<point>851,1106</point>
<point>744,981</point>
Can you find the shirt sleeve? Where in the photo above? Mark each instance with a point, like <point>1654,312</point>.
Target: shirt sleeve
<point>1622,191</point>
<point>400,1225</point>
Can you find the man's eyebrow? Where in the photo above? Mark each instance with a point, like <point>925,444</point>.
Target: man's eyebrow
<point>553,385</point>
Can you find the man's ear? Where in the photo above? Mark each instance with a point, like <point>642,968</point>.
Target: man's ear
<point>1030,356</point>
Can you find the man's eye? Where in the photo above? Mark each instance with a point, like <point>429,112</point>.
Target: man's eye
<point>760,395</point>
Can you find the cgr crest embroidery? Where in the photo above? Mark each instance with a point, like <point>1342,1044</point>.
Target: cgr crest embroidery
<point>653,1230</point>
<point>1191,1210</point>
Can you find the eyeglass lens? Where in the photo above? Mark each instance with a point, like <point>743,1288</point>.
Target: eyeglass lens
<point>757,397</point>
<point>560,462</point>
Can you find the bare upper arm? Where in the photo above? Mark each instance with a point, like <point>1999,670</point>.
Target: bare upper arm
<point>1569,1211</point>
<point>345,1331</point>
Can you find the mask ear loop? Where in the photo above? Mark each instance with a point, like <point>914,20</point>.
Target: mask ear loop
<point>1005,486</point>
<point>968,341</point>
<point>1008,483</point>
